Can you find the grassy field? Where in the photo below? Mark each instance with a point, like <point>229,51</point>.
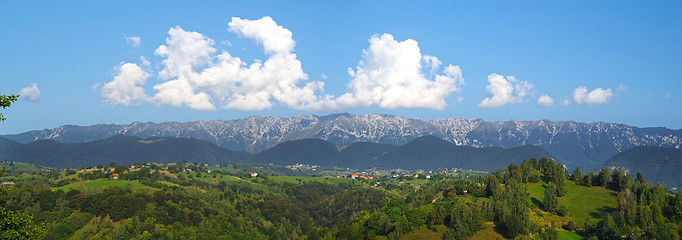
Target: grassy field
<point>425,233</point>
<point>583,203</point>
<point>569,236</point>
<point>102,183</point>
<point>26,167</point>
<point>487,233</point>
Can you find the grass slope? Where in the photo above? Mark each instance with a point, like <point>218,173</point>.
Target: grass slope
<point>488,232</point>
<point>425,233</point>
<point>102,183</point>
<point>583,202</point>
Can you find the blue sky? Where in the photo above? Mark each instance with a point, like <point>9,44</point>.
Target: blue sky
<point>126,61</point>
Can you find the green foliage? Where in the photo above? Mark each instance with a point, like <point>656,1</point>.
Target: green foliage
<point>620,181</point>
<point>570,226</point>
<point>15,225</point>
<point>6,101</point>
<point>513,216</point>
<point>578,176</point>
<point>550,204</point>
<point>395,208</point>
<point>492,186</point>
<point>603,177</point>
<point>219,206</point>
<point>464,220</point>
<point>549,233</point>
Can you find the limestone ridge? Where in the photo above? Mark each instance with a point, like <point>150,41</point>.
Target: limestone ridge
<point>588,145</point>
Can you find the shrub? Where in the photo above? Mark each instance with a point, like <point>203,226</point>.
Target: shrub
<point>562,211</point>
<point>570,226</point>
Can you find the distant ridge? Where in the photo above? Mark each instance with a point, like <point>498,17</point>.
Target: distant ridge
<point>426,152</point>
<point>588,145</point>
<point>120,149</point>
<point>656,164</point>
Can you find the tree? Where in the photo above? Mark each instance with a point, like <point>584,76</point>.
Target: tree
<point>513,217</point>
<point>619,180</point>
<point>550,204</point>
<point>513,172</point>
<point>492,186</point>
<point>640,179</point>
<point>577,176</point>
<point>6,101</point>
<point>603,177</point>
<point>14,225</point>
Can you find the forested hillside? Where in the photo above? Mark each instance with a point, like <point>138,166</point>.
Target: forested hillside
<point>427,152</point>
<point>119,149</point>
<point>533,200</point>
<point>656,164</point>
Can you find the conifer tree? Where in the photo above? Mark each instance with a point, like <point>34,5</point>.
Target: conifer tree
<point>549,203</point>
<point>578,176</point>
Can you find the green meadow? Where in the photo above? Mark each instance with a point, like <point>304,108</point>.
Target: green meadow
<point>103,183</point>
<point>583,202</point>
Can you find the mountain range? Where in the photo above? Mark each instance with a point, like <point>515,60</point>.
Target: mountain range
<point>588,145</point>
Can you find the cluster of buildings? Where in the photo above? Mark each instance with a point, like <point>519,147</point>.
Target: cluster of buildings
<point>299,166</point>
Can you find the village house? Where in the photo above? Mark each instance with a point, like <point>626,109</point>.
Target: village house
<point>114,176</point>
<point>353,175</point>
<point>253,174</point>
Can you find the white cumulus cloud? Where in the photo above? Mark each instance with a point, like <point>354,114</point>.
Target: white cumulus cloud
<point>582,95</point>
<point>195,78</point>
<point>127,88</point>
<point>184,52</point>
<point>392,74</point>
<point>31,93</point>
<point>133,41</point>
<point>505,90</point>
<point>545,101</point>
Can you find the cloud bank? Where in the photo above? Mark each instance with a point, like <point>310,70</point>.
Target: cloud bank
<point>31,93</point>
<point>505,90</point>
<point>392,74</point>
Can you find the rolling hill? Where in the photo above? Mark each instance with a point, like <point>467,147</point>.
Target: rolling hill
<point>656,164</point>
<point>426,152</point>
<point>119,149</point>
